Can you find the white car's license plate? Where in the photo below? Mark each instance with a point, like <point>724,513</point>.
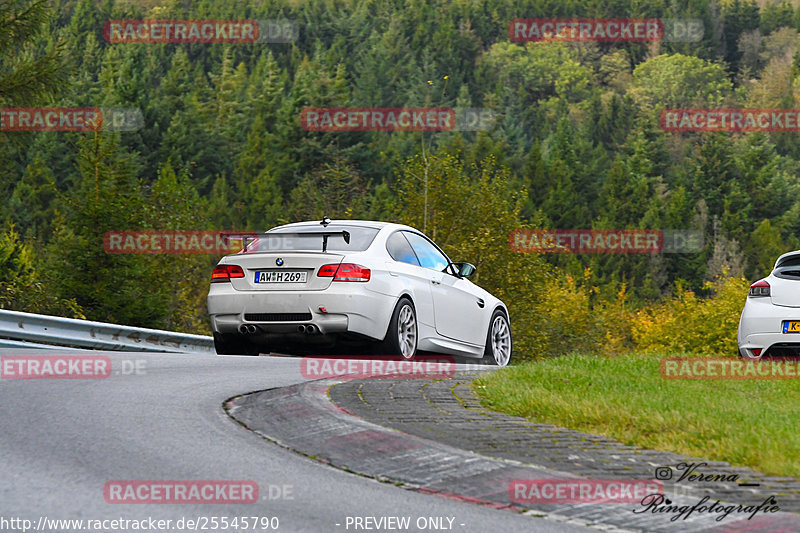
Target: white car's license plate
<point>791,326</point>
<point>283,276</point>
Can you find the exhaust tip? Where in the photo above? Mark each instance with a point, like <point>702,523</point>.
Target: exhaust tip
<point>301,328</point>
<point>311,328</point>
<point>243,329</point>
<point>251,329</point>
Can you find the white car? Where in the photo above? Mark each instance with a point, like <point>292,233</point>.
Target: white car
<point>311,285</point>
<point>770,321</point>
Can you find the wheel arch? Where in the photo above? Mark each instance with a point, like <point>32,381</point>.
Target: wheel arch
<point>503,309</point>
<point>405,293</point>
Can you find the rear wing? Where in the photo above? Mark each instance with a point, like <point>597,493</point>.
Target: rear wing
<point>251,238</point>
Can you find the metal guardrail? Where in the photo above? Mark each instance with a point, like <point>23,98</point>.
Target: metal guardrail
<point>30,330</point>
<point>8,343</point>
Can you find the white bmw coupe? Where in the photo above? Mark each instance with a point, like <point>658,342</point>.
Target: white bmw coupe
<point>309,286</point>
<point>770,321</point>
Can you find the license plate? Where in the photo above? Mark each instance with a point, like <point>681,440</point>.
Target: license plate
<point>791,326</point>
<point>283,276</point>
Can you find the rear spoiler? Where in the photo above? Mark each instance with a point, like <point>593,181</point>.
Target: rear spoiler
<point>244,235</point>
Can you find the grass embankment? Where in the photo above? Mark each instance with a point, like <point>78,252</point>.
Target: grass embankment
<point>753,423</point>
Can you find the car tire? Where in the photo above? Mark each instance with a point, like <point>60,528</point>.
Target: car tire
<point>403,333</point>
<point>498,340</point>
<point>233,344</point>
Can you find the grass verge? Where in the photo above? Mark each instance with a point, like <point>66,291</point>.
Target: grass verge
<point>753,423</point>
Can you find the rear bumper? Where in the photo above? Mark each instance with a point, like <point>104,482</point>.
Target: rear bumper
<point>761,327</point>
<point>771,345</point>
<point>351,308</point>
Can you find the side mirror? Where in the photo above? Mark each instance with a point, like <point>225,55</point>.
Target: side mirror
<point>465,270</point>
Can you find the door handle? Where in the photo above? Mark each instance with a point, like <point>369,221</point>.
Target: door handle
<point>436,282</point>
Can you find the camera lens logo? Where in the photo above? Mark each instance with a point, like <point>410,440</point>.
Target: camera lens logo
<point>663,473</point>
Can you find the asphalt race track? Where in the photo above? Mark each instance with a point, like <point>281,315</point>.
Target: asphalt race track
<point>160,417</point>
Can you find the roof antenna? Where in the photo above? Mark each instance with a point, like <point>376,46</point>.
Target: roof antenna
<point>325,221</point>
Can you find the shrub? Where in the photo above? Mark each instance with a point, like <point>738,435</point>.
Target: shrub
<point>689,324</point>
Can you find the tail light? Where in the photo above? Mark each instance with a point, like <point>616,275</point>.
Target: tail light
<point>344,272</point>
<point>758,289</point>
<point>327,271</point>
<point>226,272</point>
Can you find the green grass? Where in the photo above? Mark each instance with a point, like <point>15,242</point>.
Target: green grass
<point>753,423</point>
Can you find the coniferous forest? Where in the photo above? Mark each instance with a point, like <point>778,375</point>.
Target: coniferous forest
<point>575,143</point>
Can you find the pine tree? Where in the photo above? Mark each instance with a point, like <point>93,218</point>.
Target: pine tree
<point>32,202</point>
<point>107,197</point>
<point>25,77</point>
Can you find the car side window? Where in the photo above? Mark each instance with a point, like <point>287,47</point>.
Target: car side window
<point>429,256</point>
<point>400,250</point>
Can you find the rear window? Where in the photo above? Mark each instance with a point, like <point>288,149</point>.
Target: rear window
<point>304,239</point>
<point>789,268</point>
<point>791,261</point>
